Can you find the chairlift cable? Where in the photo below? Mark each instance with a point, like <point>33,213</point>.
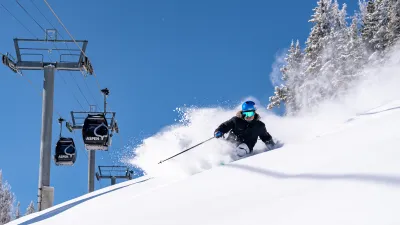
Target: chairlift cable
<point>18,20</point>
<point>66,46</point>
<point>53,44</point>
<point>59,20</point>
<point>73,94</point>
<point>79,88</point>
<point>43,15</point>
<point>40,93</point>
<point>87,157</point>
<point>30,16</point>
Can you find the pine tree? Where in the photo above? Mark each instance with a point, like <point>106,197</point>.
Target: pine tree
<point>336,53</point>
<point>6,201</point>
<point>380,40</point>
<point>30,209</point>
<point>314,43</point>
<point>280,93</point>
<point>291,75</point>
<point>315,55</point>
<point>295,81</point>
<point>370,25</point>
<point>393,26</point>
<point>356,55</point>
<point>334,56</point>
<point>18,211</point>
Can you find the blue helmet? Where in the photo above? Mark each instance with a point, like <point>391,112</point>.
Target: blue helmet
<point>248,106</point>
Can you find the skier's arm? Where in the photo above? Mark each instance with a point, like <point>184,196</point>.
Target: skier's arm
<point>265,136</point>
<point>226,126</point>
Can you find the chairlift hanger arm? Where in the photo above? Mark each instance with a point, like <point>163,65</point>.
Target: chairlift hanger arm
<point>74,118</point>
<point>60,121</point>
<point>88,112</point>
<point>79,127</point>
<point>119,177</point>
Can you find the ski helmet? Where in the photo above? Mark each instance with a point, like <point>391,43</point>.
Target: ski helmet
<point>248,106</point>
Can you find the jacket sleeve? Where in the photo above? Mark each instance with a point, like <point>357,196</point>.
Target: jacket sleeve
<point>264,135</point>
<point>226,126</point>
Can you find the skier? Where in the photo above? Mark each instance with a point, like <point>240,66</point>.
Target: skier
<point>244,130</point>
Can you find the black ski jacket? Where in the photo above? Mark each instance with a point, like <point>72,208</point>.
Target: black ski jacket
<point>246,132</point>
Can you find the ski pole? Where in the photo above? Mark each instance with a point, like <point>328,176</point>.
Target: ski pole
<point>185,150</point>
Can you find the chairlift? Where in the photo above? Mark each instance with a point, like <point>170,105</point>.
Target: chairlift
<point>65,151</point>
<point>95,132</point>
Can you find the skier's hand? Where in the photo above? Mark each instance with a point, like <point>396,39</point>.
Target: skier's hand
<point>218,134</point>
<point>270,144</point>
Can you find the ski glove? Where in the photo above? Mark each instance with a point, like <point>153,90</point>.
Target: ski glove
<point>270,144</point>
<point>218,134</point>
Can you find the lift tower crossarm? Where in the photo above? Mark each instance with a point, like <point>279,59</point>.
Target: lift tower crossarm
<point>114,173</point>
<point>82,63</point>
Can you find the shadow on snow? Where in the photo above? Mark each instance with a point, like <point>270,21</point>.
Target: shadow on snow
<point>370,178</point>
<point>70,205</point>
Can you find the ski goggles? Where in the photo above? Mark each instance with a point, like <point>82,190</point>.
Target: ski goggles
<point>248,113</point>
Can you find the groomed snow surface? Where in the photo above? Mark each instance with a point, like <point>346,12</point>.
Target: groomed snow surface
<point>339,165</point>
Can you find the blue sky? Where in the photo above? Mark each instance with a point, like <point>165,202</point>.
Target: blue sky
<point>154,56</point>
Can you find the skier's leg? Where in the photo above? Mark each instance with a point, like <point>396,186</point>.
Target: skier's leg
<point>232,137</point>
<point>242,149</point>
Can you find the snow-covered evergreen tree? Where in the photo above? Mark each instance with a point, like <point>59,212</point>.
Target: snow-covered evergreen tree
<point>380,40</point>
<point>356,53</point>
<point>280,94</point>
<point>375,32</point>
<point>6,201</point>
<point>316,85</point>
<point>30,209</point>
<point>291,75</point>
<point>336,53</point>
<point>334,56</point>
<point>18,211</point>
<point>393,26</point>
<point>315,41</point>
<point>370,25</point>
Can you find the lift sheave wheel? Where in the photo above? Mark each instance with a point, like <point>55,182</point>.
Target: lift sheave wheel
<point>95,132</point>
<point>65,152</point>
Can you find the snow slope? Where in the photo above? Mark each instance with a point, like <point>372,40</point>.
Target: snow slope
<point>349,175</point>
<point>339,165</point>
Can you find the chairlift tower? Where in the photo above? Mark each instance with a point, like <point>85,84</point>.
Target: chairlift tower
<point>45,191</point>
<point>96,134</point>
<point>114,173</point>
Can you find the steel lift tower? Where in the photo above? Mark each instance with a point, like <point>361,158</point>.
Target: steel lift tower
<point>45,191</point>
<point>97,131</point>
